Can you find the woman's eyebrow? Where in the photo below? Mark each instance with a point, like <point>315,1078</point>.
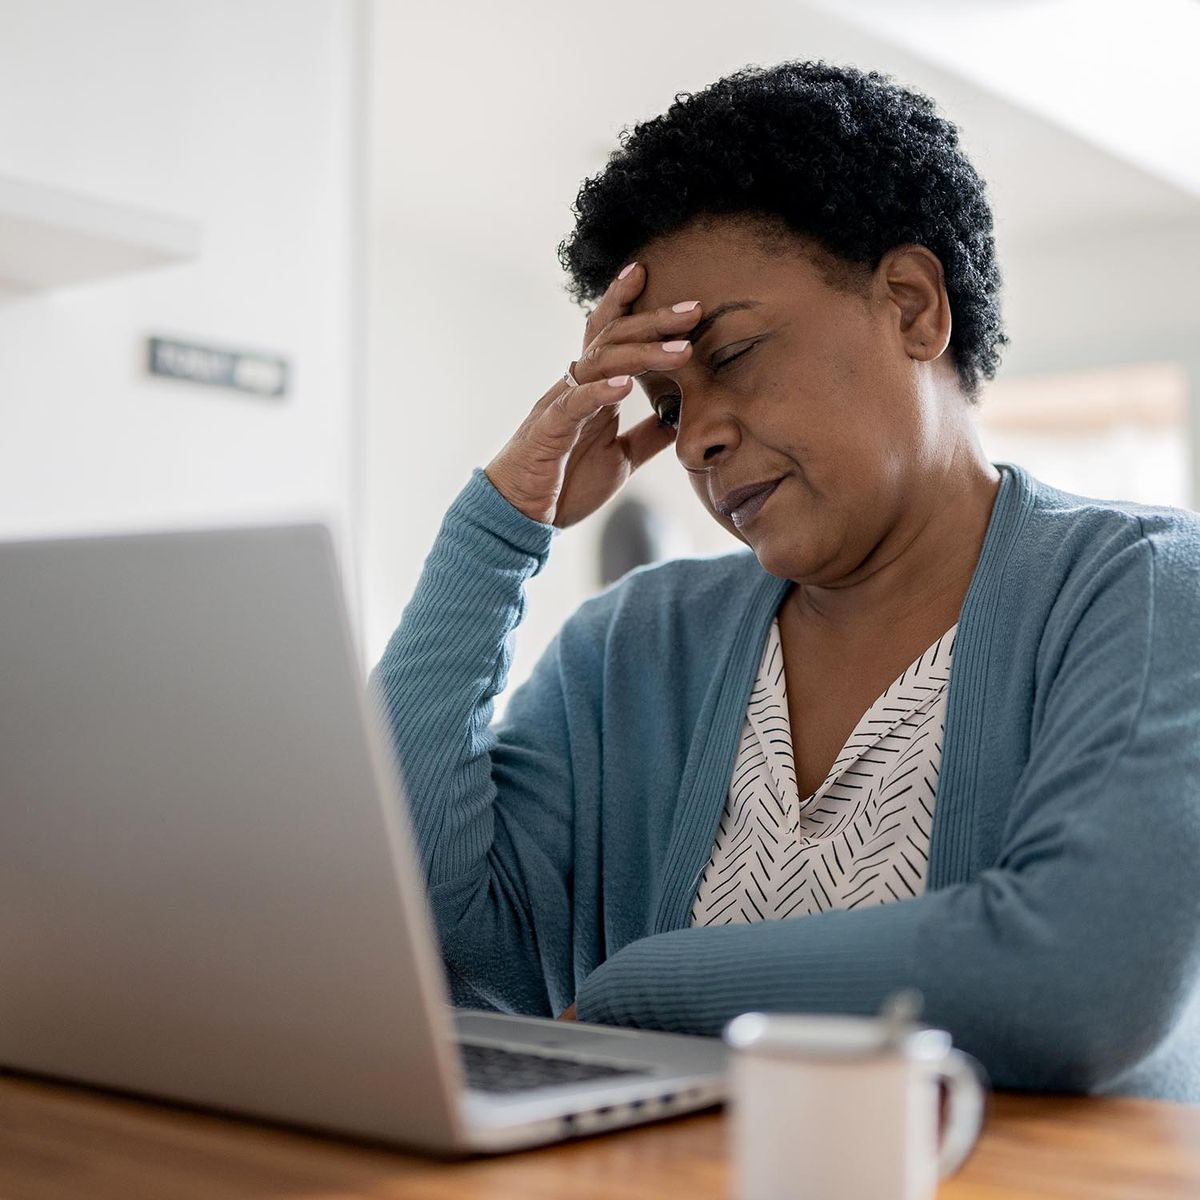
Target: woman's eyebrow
<point>707,322</point>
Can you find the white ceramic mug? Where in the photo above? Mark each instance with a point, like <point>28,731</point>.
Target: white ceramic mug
<point>846,1108</point>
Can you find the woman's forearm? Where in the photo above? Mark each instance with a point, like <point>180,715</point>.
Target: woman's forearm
<point>446,663</point>
<point>489,814</point>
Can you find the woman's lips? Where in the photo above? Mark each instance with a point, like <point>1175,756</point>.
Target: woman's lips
<point>749,509</point>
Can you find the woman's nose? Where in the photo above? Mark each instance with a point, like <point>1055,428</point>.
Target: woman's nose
<point>706,432</point>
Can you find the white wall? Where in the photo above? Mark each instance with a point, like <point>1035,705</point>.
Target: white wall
<point>238,113</point>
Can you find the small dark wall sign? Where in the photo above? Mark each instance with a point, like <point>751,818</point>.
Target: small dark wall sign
<point>263,375</point>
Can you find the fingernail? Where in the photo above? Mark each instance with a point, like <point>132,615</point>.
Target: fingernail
<point>684,306</point>
<point>618,381</point>
<point>625,270</point>
<point>675,347</point>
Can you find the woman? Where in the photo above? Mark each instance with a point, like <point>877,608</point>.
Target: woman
<point>939,729</point>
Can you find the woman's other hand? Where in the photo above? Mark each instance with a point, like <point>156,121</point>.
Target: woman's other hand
<point>567,457</point>
<point>568,1014</point>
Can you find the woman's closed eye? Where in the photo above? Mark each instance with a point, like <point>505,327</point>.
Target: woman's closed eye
<point>716,363</point>
<point>667,407</point>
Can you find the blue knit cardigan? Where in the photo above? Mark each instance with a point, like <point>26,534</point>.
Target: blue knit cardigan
<point>1059,935</point>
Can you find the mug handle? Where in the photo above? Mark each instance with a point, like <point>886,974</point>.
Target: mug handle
<point>964,1110</point>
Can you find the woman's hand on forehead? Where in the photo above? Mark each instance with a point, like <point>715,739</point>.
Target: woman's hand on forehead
<point>568,456</point>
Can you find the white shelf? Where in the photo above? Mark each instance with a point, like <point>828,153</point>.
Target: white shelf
<point>51,238</point>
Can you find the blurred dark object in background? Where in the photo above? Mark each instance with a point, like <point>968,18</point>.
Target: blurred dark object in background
<point>633,535</point>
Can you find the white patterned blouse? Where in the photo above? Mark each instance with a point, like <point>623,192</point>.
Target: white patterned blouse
<point>862,837</point>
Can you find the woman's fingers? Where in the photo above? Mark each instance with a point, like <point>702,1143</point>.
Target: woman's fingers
<point>559,417</point>
<point>573,407</point>
<point>530,471</point>
<point>651,341</point>
<point>658,325</point>
<point>658,340</point>
<point>615,302</point>
<point>606,359</point>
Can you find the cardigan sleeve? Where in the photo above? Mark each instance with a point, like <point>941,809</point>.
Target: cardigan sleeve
<point>491,809</point>
<point>1072,958</point>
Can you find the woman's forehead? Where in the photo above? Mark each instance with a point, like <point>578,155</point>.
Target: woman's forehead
<point>717,264</point>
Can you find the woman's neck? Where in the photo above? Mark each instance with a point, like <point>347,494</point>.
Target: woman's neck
<point>922,569</point>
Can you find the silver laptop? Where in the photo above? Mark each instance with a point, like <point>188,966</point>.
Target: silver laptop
<point>208,892</point>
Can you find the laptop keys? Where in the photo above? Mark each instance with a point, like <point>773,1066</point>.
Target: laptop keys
<point>494,1069</point>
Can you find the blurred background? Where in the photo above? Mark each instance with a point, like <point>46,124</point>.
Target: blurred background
<point>278,259</point>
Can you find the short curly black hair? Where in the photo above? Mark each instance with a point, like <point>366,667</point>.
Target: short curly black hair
<point>844,157</point>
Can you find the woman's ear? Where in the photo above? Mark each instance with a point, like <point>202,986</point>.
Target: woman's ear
<point>912,281</point>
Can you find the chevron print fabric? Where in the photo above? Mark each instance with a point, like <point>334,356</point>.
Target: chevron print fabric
<point>863,837</point>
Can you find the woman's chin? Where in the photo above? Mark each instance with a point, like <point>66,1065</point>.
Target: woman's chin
<point>803,560</point>
<point>782,561</point>
<point>777,554</point>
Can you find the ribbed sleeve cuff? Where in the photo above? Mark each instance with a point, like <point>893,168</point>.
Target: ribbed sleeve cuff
<point>481,506</point>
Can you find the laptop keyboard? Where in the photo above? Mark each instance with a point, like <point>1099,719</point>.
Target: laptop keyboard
<point>492,1069</point>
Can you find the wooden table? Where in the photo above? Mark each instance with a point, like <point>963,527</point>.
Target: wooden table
<point>57,1143</point>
